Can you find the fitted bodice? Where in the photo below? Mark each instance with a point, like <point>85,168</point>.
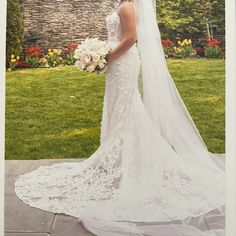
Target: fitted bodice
<point>114,27</point>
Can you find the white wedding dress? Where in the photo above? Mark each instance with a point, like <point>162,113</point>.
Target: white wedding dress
<point>135,175</point>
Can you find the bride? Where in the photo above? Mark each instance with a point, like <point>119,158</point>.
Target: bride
<point>152,174</point>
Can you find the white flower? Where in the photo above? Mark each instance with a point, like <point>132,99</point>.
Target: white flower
<point>96,58</point>
<point>91,53</point>
<point>101,65</point>
<point>86,58</point>
<point>103,51</point>
<point>103,60</point>
<point>91,68</point>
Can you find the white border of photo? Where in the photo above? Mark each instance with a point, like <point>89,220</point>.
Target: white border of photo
<point>230,115</point>
<point>230,118</point>
<point>2,108</point>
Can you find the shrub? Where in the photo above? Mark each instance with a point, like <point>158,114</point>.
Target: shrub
<point>168,47</point>
<point>70,52</point>
<point>33,55</point>
<point>200,51</point>
<point>14,30</point>
<point>54,57</point>
<point>21,64</point>
<point>185,49</point>
<point>212,49</point>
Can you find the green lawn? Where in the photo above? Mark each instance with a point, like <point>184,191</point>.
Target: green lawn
<point>56,113</point>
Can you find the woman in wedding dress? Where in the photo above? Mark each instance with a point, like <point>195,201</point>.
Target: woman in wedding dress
<point>152,174</point>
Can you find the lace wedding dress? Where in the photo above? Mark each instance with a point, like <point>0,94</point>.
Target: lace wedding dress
<point>135,175</point>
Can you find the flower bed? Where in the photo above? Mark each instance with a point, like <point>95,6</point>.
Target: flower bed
<point>34,57</point>
<point>185,49</point>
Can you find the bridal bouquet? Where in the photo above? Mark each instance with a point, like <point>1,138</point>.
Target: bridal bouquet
<point>91,55</point>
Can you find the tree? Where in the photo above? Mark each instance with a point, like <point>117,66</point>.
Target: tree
<point>189,18</point>
<point>15,29</point>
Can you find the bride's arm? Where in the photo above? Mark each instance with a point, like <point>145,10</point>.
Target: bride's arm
<point>128,21</point>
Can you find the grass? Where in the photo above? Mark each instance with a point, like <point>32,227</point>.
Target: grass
<point>56,113</point>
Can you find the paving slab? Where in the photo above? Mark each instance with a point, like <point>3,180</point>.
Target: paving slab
<point>66,225</point>
<point>23,220</point>
<point>20,217</point>
<point>26,234</point>
<point>17,167</point>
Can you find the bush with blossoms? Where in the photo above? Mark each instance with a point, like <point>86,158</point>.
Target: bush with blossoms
<point>33,55</point>
<point>53,58</point>
<point>70,54</point>
<point>184,49</point>
<point>13,62</point>
<point>212,49</point>
<point>168,47</point>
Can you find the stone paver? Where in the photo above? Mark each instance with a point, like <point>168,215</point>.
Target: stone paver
<point>66,225</point>
<point>26,234</point>
<point>23,220</point>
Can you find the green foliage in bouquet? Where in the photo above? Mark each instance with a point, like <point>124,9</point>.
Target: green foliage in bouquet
<point>14,30</point>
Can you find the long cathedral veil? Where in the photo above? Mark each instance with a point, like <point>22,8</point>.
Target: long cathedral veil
<point>171,118</point>
<point>160,96</point>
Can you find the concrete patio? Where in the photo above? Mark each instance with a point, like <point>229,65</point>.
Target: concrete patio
<point>23,220</point>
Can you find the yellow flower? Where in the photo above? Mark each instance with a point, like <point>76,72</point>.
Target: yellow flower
<point>182,44</point>
<point>17,57</point>
<point>55,50</point>
<point>12,56</point>
<point>13,60</point>
<point>50,54</point>
<point>54,62</point>
<point>9,69</point>
<point>190,41</point>
<point>179,42</point>
<point>49,50</point>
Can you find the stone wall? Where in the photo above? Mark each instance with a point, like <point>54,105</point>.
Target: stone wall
<point>60,22</point>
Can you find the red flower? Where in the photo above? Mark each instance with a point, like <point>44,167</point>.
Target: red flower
<point>213,42</point>
<point>34,52</point>
<point>71,47</point>
<point>200,50</point>
<point>21,64</point>
<point>167,43</point>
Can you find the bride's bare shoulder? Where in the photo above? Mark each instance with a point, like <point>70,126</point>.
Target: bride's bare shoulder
<point>126,7</point>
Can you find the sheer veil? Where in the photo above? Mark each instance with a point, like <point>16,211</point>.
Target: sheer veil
<point>172,120</point>
<point>160,96</point>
